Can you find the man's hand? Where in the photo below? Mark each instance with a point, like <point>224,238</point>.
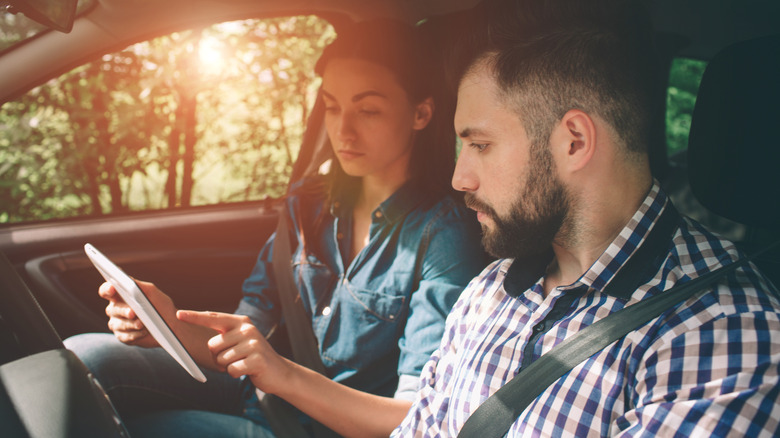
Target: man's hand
<point>125,323</point>
<point>240,349</point>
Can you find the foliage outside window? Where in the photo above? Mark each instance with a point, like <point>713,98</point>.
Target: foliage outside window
<point>684,80</point>
<point>199,117</point>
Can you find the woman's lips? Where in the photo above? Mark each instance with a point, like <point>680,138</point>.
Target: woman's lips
<point>349,154</point>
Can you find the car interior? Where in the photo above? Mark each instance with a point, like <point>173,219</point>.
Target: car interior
<point>200,255</point>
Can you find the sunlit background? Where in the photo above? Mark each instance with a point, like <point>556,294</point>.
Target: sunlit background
<point>193,118</point>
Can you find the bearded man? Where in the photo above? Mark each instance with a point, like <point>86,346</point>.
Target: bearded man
<point>553,112</point>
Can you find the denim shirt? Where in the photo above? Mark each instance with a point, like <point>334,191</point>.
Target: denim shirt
<point>382,315</point>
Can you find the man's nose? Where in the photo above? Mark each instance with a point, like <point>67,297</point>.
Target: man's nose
<point>465,178</point>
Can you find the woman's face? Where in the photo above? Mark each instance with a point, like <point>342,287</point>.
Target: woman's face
<point>370,119</point>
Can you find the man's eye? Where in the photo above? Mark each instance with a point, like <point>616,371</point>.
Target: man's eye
<point>331,109</point>
<point>368,112</point>
<point>480,147</point>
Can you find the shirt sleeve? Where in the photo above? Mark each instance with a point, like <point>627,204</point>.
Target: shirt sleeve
<point>430,406</point>
<point>452,257</point>
<point>717,379</point>
<point>407,387</point>
<point>260,300</point>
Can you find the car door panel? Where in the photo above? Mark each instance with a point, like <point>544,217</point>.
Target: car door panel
<point>198,256</point>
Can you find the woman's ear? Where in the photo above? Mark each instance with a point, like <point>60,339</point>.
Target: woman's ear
<point>423,113</point>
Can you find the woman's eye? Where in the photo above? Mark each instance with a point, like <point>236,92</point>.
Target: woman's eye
<point>480,147</point>
<point>369,112</point>
<point>331,109</point>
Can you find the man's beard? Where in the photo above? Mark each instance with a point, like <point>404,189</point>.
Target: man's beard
<point>535,218</point>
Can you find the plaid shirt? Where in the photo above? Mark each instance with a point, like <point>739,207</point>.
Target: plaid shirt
<point>707,368</point>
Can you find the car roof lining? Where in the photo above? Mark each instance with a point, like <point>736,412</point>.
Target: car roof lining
<point>114,24</point>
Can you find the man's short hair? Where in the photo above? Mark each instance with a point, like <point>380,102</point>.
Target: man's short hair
<point>551,56</point>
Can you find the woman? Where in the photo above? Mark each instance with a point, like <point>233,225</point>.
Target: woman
<point>381,252</point>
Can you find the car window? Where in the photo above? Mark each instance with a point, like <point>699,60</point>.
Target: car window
<point>684,79</point>
<point>198,117</point>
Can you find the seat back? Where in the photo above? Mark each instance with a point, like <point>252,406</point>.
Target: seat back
<point>734,143</point>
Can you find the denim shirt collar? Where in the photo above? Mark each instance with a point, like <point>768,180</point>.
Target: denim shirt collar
<point>391,210</point>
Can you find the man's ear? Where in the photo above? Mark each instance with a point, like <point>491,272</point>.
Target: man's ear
<point>423,113</point>
<point>573,141</point>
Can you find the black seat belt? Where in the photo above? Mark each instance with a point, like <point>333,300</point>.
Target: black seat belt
<point>304,345</point>
<point>495,416</point>
<point>281,415</point>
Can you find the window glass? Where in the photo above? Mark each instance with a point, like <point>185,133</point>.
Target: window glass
<point>200,117</point>
<point>684,80</point>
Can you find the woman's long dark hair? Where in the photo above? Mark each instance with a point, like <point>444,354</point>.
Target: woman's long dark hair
<point>417,67</point>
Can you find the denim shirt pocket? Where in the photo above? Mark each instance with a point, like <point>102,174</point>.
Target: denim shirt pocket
<point>312,276</point>
<point>387,307</point>
<point>363,325</point>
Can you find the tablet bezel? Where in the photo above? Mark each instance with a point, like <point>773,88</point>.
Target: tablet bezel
<point>145,310</point>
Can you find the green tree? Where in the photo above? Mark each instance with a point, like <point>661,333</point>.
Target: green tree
<point>684,80</point>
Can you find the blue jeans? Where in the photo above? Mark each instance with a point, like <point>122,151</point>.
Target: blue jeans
<point>155,396</point>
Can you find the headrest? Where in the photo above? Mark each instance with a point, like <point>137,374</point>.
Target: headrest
<point>734,143</point>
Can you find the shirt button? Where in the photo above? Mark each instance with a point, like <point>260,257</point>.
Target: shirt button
<point>339,235</point>
<point>378,214</point>
<point>326,311</point>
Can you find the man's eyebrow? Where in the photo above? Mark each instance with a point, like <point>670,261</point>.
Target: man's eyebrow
<point>358,96</point>
<point>472,132</point>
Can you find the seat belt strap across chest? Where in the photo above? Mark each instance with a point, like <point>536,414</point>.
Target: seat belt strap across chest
<point>302,340</point>
<point>282,416</point>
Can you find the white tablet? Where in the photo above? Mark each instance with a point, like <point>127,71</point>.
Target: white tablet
<point>143,308</point>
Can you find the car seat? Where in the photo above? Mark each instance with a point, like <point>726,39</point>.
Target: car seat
<point>734,143</point>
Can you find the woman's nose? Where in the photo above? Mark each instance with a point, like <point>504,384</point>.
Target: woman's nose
<point>346,128</point>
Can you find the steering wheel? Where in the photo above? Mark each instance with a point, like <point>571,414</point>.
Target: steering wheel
<point>48,391</point>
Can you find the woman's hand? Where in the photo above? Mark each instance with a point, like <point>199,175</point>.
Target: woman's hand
<point>240,349</point>
<point>123,321</point>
